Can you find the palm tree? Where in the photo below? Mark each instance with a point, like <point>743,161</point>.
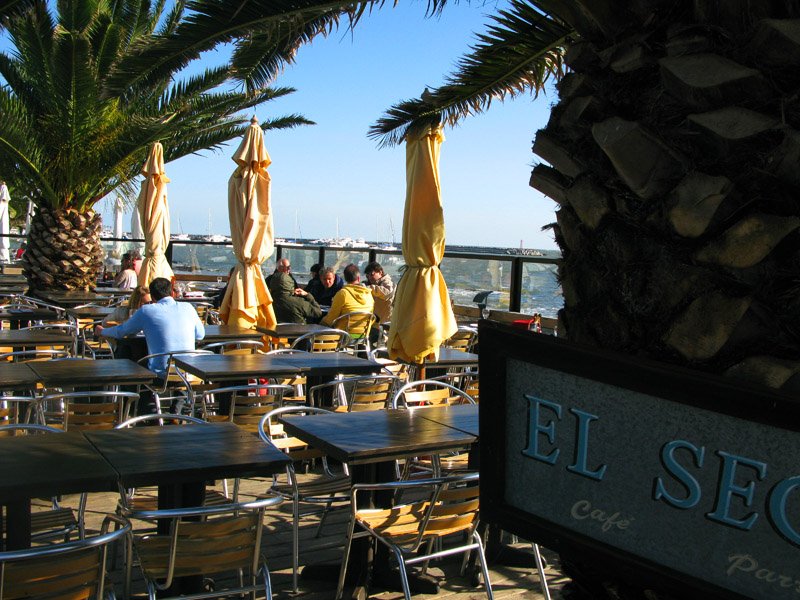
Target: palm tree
<point>673,156</point>
<point>78,119</point>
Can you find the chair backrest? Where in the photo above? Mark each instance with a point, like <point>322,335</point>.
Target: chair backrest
<point>28,355</point>
<point>464,339</point>
<point>324,340</point>
<point>248,403</point>
<point>272,432</point>
<point>466,381</point>
<point>208,539</point>
<point>84,411</point>
<point>94,347</point>
<point>17,410</point>
<point>404,371</point>
<point>235,346</point>
<point>353,394</point>
<point>61,571</point>
<point>357,323</point>
<point>427,392</point>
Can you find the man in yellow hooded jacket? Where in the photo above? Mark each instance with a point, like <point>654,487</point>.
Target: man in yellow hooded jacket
<point>351,298</point>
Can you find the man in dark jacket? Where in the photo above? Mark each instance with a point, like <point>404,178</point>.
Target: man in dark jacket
<point>331,283</point>
<point>292,304</point>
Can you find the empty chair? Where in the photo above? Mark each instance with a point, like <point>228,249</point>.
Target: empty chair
<point>235,347</point>
<point>70,570</point>
<point>205,541</point>
<point>463,339</point>
<point>92,347</point>
<point>367,392</point>
<point>428,392</point>
<point>445,506</point>
<point>324,340</point>
<point>15,410</point>
<point>327,489</point>
<point>466,381</point>
<point>358,324</point>
<point>405,371</point>
<point>84,411</point>
<point>246,404</point>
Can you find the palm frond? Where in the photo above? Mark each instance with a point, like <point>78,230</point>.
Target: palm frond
<point>520,52</point>
<point>13,8</point>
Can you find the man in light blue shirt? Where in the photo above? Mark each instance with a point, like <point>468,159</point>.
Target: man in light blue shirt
<point>168,326</point>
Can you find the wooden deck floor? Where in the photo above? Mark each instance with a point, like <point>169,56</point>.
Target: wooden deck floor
<point>507,583</point>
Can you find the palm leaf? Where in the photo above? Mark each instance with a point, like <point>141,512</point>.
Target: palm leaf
<point>521,51</point>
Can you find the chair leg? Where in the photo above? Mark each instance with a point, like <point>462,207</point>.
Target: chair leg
<point>345,558</point>
<point>540,568</point>
<point>403,575</point>
<point>295,543</point>
<point>484,567</point>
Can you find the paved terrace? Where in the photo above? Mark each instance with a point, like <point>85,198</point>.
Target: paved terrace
<point>507,582</point>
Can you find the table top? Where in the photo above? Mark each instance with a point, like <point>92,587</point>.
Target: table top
<point>17,375</point>
<point>451,357</point>
<point>34,314</point>
<point>330,363</point>
<point>71,297</point>
<point>291,331</point>
<point>221,367</point>
<point>91,372</point>
<point>36,336</point>
<point>185,453</point>
<point>376,436</point>
<point>224,333</point>
<point>458,416</point>
<point>90,312</point>
<point>51,464</point>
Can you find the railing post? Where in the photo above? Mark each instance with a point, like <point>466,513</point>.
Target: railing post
<point>515,288</point>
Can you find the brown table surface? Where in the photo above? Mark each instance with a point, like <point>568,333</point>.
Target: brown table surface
<point>225,333</point>
<point>178,454</point>
<point>17,375</point>
<point>222,367</point>
<point>323,364</point>
<point>452,358</point>
<point>463,417</point>
<point>23,315</point>
<point>92,372</point>
<point>291,331</point>
<point>91,312</point>
<point>26,337</point>
<point>72,297</point>
<point>376,436</point>
<point>36,466</point>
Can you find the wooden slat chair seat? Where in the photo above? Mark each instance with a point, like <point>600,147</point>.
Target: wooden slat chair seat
<point>449,506</point>
<point>226,538</point>
<point>69,571</point>
<point>328,489</point>
<point>324,340</point>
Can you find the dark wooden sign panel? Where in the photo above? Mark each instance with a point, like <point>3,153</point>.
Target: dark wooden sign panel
<point>667,476</point>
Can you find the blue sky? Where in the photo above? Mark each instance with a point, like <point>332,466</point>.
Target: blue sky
<point>331,171</point>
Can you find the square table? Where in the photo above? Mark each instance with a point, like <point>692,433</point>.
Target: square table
<point>463,417</point>
<point>95,313</point>
<point>21,338</point>
<point>227,333</point>
<point>104,372</point>
<point>448,357</point>
<point>226,367</point>
<point>47,465</point>
<point>68,298</point>
<point>17,376</point>
<point>21,317</point>
<point>291,331</point>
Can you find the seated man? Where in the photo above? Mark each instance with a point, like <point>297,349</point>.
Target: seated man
<point>283,266</point>
<point>292,304</point>
<point>351,298</point>
<point>168,326</point>
<point>331,284</point>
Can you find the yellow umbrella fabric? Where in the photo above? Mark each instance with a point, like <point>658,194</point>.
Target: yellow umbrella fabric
<point>247,301</point>
<point>422,317</point>
<point>154,214</point>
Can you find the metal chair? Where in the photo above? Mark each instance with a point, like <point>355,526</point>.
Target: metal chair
<point>16,410</point>
<point>85,411</point>
<point>57,521</point>
<point>405,371</point>
<point>92,347</point>
<point>449,505</point>
<point>327,489</point>
<point>246,404</point>
<point>354,394</point>
<point>466,381</point>
<point>324,340</point>
<point>429,392</point>
<point>358,324</point>
<point>298,382</point>
<point>204,541</point>
<point>463,339</point>
<point>28,355</point>
<point>69,570</point>
<point>175,378</point>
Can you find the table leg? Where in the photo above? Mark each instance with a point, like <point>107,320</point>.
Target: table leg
<point>18,524</point>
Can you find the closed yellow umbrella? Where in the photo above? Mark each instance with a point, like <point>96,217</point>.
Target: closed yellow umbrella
<point>422,317</point>
<point>247,301</point>
<point>154,214</point>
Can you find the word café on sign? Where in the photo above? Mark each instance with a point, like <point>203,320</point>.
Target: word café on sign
<point>664,476</point>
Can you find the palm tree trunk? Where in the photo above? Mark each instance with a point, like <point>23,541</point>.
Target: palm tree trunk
<point>63,250</point>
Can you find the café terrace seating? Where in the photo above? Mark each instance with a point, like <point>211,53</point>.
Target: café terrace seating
<point>358,325</point>
<point>324,340</point>
<point>353,394</point>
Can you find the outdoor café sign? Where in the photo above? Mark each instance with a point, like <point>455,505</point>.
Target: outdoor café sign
<point>660,474</point>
